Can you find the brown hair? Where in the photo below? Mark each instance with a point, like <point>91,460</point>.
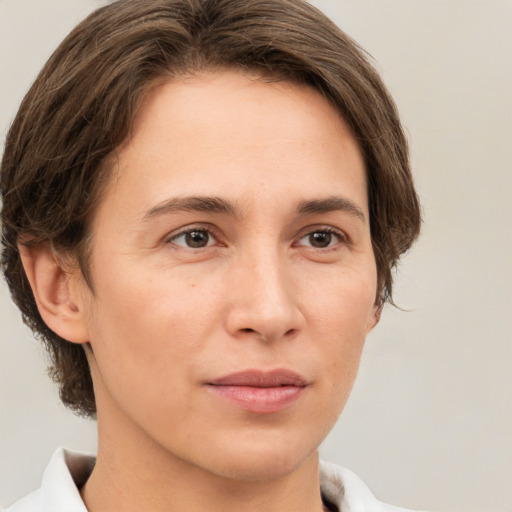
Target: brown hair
<point>83,102</point>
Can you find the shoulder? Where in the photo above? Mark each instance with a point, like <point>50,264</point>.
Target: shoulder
<point>30,503</point>
<point>59,490</point>
<point>348,492</point>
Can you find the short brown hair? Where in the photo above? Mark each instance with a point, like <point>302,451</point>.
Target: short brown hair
<point>83,102</point>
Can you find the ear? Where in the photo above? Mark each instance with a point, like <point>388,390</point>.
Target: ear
<point>374,317</point>
<point>56,292</point>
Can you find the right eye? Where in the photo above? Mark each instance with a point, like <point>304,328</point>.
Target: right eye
<point>193,239</point>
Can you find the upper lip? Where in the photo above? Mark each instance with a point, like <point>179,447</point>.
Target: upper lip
<point>261,379</point>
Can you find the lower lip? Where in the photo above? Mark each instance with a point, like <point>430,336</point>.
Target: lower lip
<point>259,400</point>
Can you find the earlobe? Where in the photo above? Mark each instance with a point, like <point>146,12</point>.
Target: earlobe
<point>374,318</point>
<point>57,300</point>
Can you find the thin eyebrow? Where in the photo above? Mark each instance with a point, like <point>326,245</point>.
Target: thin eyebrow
<point>193,204</point>
<point>331,204</point>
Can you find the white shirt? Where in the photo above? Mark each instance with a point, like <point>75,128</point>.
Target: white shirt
<point>68,471</point>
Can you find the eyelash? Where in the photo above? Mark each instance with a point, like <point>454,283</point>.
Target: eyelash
<point>200,228</point>
<point>342,237</point>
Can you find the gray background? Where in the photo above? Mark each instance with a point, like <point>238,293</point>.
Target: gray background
<point>429,424</point>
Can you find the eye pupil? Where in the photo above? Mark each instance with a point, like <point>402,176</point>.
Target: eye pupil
<point>197,239</point>
<point>320,239</point>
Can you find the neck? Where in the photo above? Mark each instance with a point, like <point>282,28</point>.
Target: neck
<point>134,473</point>
<point>136,483</point>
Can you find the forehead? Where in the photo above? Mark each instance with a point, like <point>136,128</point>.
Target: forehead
<point>227,133</point>
<point>244,107</point>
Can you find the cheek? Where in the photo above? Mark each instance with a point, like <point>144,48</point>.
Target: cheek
<point>146,339</point>
<point>340,316</point>
<point>152,324</point>
<point>344,303</point>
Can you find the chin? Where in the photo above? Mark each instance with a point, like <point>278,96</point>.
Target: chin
<point>259,464</point>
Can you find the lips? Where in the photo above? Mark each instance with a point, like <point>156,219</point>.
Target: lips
<point>260,379</point>
<point>258,391</point>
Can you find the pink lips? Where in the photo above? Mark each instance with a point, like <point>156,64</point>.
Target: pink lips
<point>260,392</point>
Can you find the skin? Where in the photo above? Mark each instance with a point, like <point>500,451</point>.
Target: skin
<point>273,287</point>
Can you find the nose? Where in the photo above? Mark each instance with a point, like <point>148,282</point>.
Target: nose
<point>263,298</point>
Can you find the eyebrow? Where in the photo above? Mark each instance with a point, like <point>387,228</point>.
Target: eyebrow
<point>193,204</point>
<point>219,205</point>
<point>331,204</point>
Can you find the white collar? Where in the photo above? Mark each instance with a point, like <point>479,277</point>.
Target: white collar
<point>348,492</point>
<point>68,471</point>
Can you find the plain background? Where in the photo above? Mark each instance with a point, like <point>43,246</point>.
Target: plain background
<point>429,423</point>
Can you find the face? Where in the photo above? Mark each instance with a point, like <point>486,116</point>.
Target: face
<point>234,278</point>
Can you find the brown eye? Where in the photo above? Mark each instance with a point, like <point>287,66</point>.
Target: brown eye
<point>194,239</point>
<point>320,239</point>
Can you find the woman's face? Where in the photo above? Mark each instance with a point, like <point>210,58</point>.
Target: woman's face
<point>234,277</point>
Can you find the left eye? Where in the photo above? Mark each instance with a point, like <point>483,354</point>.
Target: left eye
<point>194,239</point>
<point>320,239</point>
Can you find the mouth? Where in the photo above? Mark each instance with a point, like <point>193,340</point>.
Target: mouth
<point>259,391</point>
